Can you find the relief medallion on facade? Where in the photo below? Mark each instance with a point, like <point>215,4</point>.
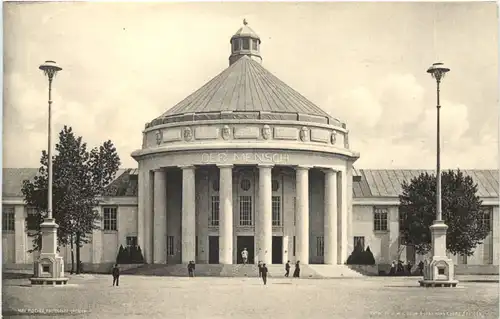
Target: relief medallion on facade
<point>226,132</point>
<point>266,132</point>
<point>159,137</point>
<point>333,137</point>
<point>188,134</point>
<point>304,134</point>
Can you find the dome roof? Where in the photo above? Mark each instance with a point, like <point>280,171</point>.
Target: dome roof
<point>245,90</point>
<point>245,31</point>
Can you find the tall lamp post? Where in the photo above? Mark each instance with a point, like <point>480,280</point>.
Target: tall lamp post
<point>439,271</point>
<point>49,268</point>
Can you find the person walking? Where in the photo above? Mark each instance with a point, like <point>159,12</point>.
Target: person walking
<point>287,269</point>
<point>296,272</point>
<point>260,268</point>
<point>264,272</point>
<point>116,275</point>
<point>244,256</point>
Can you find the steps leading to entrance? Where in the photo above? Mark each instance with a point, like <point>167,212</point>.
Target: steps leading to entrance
<point>240,270</point>
<point>178,270</point>
<point>335,271</point>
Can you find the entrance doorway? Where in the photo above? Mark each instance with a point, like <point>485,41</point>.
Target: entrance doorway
<point>213,249</point>
<point>277,257</point>
<point>248,243</point>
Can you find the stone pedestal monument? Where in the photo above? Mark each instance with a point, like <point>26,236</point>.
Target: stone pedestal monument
<point>439,270</point>
<point>49,268</point>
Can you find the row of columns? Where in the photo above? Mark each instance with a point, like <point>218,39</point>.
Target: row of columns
<point>263,228</point>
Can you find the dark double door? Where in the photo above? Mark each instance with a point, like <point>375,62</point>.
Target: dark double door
<point>247,242</point>
<point>213,249</point>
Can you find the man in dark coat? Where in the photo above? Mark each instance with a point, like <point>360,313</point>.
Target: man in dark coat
<point>116,275</point>
<point>264,273</point>
<point>287,268</point>
<point>260,268</point>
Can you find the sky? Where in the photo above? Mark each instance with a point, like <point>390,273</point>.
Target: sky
<point>125,64</point>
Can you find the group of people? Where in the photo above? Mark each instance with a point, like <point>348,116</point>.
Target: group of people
<point>400,269</point>
<point>263,271</point>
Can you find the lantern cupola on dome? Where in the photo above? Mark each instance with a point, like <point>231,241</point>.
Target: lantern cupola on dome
<point>245,42</point>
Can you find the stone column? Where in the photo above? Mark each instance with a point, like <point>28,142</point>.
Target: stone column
<point>149,221</point>
<point>342,198</point>
<point>226,214</point>
<point>160,217</point>
<point>302,215</point>
<point>20,233</point>
<point>265,216</point>
<point>188,214</point>
<point>330,217</point>
<point>145,214</point>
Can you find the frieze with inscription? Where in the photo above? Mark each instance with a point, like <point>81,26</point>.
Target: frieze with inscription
<point>256,158</point>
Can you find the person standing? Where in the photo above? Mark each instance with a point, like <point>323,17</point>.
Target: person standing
<point>264,272</point>
<point>287,269</point>
<point>244,256</point>
<point>296,272</point>
<point>191,267</point>
<point>260,268</point>
<point>116,275</point>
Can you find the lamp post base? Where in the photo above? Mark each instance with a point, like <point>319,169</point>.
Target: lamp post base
<point>439,271</point>
<point>49,267</point>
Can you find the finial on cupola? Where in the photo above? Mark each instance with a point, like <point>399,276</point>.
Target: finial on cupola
<point>245,21</point>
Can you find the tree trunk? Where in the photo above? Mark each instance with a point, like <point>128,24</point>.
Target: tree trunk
<point>72,256</point>
<point>78,270</point>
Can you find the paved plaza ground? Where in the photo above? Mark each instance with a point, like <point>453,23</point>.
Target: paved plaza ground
<point>92,296</point>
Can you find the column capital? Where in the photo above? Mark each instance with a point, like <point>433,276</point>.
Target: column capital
<point>159,170</point>
<point>303,167</point>
<point>225,166</point>
<point>329,169</point>
<point>265,165</point>
<point>187,167</point>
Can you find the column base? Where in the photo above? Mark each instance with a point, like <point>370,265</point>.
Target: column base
<point>439,272</point>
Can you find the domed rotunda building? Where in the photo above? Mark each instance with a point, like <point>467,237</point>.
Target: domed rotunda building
<point>245,162</point>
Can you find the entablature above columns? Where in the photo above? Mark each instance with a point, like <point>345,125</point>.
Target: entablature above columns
<point>260,133</point>
<point>248,157</point>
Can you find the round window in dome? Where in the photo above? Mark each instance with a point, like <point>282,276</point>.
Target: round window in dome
<point>275,185</point>
<point>245,184</point>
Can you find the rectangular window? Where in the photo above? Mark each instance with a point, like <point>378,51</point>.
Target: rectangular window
<point>32,220</point>
<point>380,219</point>
<point>320,246</point>
<point>236,45</point>
<point>245,210</point>
<point>254,45</point>
<point>359,240</point>
<point>402,217</point>
<point>293,245</point>
<point>486,218</point>
<point>170,246</point>
<point>294,211</point>
<point>8,218</point>
<point>131,241</point>
<point>246,44</point>
<point>110,218</point>
<point>214,212</point>
<point>276,209</point>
